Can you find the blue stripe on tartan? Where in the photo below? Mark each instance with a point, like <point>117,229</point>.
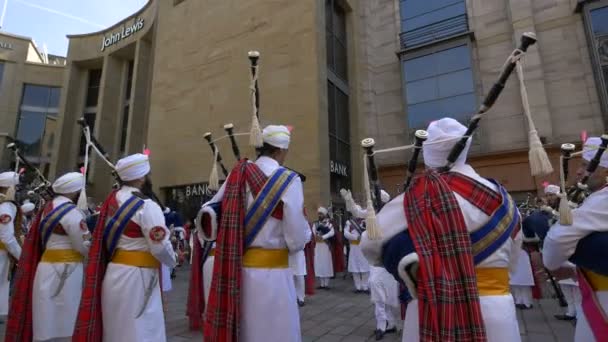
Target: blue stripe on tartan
<point>119,222</point>
<point>268,210</point>
<point>56,215</point>
<point>496,244</point>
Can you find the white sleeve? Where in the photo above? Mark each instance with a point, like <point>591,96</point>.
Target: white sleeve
<point>156,233</point>
<point>515,248</point>
<point>331,232</point>
<point>359,212</point>
<point>295,225</point>
<point>351,236</point>
<point>560,242</point>
<point>7,229</point>
<point>75,226</point>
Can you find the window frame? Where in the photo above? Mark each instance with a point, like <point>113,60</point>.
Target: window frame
<point>600,81</point>
<point>435,48</point>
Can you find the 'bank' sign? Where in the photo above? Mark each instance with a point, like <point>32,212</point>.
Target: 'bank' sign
<point>126,31</point>
<point>338,169</point>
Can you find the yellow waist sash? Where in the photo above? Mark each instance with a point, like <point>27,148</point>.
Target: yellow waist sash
<point>319,239</point>
<point>212,252</point>
<point>355,242</point>
<point>266,258</point>
<point>61,255</point>
<point>2,246</point>
<point>135,258</point>
<point>598,282</point>
<point>492,281</point>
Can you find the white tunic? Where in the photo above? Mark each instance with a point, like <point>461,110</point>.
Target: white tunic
<point>521,273</point>
<point>356,260</point>
<point>498,311</point>
<point>324,266</point>
<point>561,242</point>
<point>55,317</point>
<point>268,296</point>
<point>123,288</point>
<point>8,210</point>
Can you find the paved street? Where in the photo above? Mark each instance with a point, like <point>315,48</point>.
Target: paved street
<point>340,315</point>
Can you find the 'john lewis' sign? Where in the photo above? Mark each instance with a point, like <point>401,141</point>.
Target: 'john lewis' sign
<point>125,32</point>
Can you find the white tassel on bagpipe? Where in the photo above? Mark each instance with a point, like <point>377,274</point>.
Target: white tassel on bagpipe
<point>539,161</point>
<point>565,213</point>
<point>256,138</point>
<point>214,178</point>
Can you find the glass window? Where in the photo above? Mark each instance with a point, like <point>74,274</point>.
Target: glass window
<point>35,96</point>
<point>54,97</point>
<point>335,35</point>
<point>129,80</point>
<point>89,118</point>
<point>30,132</point>
<point>1,73</point>
<point>439,84</point>
<point>599,30</point>
<point>425,21</point>
<point>599,21</point>
<point>93,87</point>
<point>124,130</point>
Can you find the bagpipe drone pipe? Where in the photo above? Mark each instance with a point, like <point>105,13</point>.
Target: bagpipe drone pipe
<point>209,216</point>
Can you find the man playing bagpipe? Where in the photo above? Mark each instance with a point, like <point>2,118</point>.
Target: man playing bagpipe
<point>324,233</point>
<point>357,264</point>
<point>384,289</point>
<point>10,249</point>
<point>584,243</point>
<point>121,299</point>
<point>48,283</point>
<point>451,237</point>
<point>262,220</point>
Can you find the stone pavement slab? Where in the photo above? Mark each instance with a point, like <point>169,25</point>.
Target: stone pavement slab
<point>339,314</point>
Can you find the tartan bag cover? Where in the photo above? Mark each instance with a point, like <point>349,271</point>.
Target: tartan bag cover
<point>448,298</point>
<point>89,325</point>
<point>19,326</point>
<point>222,317</point>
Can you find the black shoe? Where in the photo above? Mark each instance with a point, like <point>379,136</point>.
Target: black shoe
<point>301,303</point>
<point>565,317</point>
<point>320,287</point>
<point>366,291</point>
<point>391,330</point>
<point>356,291</point>
<point>379,334</point>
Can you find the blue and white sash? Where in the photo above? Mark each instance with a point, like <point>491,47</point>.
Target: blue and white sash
<point>51,221</point>
<point>117,224</point>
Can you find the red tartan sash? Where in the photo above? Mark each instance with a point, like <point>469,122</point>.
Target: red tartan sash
<point>89,324</point>
<point>448,298</point>
<point>19,326</point>
<point>222,317</point>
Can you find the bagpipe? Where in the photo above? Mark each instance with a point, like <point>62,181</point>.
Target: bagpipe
<point>399,255</point>
<point>91,142</point>
<point>208,217</point>
<point>41,186</point>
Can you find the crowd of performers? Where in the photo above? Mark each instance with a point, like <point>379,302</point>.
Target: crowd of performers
<point>449,246</point>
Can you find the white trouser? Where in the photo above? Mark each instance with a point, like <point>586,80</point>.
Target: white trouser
<point>573,297</point>
<point>522,294</point>
<point>386,316</point>
<point>300,287</point>
<point>324,281</point>
<point>361,280</point>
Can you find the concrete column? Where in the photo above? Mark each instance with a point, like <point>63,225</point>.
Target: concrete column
<point>107,123</point>
<point>65,153</point>
<point>138,112</point>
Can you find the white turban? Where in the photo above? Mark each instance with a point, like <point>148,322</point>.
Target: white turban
<point>8,179</point>
<point>590,148</point>
<point>322,210</point>
<point>443,135</point>
<point>384,196</point>
<point>277,136</point>
<point>69,183</point>
<point>27,207</point>
<point>133,167</point>
<point>552,189</point>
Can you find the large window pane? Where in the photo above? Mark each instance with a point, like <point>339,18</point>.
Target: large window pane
<point>30,131</point>
<point>599,21</point>
<point>129,80</point>
<point>93,87</point>
<point>124,130</point>
<point>35,96</point>
<point>1,74</point>
<point>444,88</point>
<point>342,117</point>
<point>331,107</point>
<point>335,39</point>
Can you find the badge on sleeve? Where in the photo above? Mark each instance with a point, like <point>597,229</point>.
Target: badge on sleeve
<point>83,226</point>
<point>157,234</point>
<point>5,218</point>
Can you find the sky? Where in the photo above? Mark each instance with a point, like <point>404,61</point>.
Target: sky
<point>49,21</point>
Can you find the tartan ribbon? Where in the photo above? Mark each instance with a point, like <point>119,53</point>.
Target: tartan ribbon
<point>448,298</point>
<point>222,317</point>
<point>89,322</point>
<point>51,221</point>
<point>19,327</point>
